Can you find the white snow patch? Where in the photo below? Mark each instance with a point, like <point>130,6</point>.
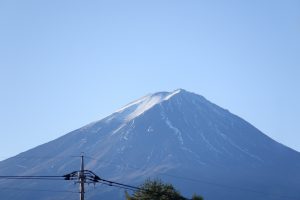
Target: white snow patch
<point>119,128</point>
<point>133,103</point>
<point>176,130</point>
<point>150,129</point>
<point>144,106</point>
<point>172,94</point>
<point>138,107</point>
<point>170,125</point>
<point>127,133</point>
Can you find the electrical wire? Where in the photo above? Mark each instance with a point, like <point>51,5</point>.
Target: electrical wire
<point>31,176</point>
<point>48,179</point>
<point>35,157</point>
<point>118,186</point>
<point>36,190</point>
<point>52,178</point>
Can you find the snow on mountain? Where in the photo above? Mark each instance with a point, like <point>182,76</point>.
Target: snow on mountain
<point>138,107</point>
<point>177,136</point>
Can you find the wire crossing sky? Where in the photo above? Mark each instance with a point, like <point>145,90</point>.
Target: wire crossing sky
<point>64,64</point>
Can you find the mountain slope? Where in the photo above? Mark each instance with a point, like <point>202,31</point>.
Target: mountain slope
<point>177,136</point>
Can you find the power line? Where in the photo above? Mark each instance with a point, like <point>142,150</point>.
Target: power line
<point>53,178</point>
<point>113,183</point>
<point>31,176</point>
<point>118,186</point>
<point>36,190</point>
<point>35,157</point>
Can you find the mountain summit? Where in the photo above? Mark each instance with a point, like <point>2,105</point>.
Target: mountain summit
<point>176,136</point>
<point>138,107</point>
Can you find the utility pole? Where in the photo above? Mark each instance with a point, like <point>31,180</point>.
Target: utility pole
<point>81,178</point>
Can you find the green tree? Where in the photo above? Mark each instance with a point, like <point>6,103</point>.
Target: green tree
<point>157,190</point>
<point>197,197</point>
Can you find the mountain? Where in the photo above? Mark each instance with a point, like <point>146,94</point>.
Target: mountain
<point>179,137</point>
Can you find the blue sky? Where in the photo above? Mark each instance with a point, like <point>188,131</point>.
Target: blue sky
<point>66,63</point>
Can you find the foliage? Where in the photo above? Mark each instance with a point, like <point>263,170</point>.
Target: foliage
<point>157,190</point>
<point>197,197</point>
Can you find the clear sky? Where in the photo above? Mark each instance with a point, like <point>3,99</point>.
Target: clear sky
<point>65,63</point>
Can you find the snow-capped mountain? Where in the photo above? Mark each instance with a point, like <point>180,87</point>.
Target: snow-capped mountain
<point>177,136</point>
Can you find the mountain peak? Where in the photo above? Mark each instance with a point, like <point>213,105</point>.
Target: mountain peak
<point>175,92</point>
<point>138,107</point>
